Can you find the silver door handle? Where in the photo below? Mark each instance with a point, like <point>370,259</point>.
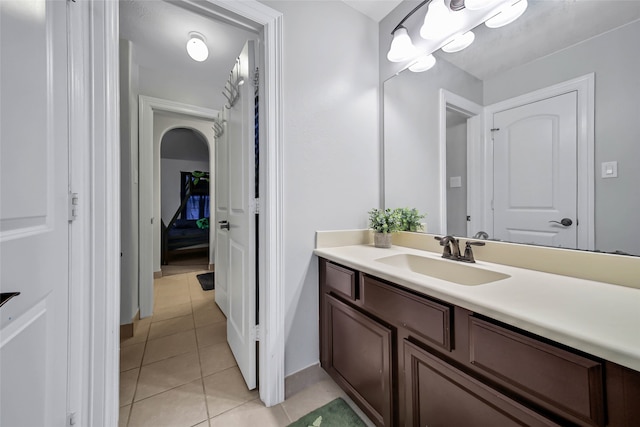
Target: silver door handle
<point>566,222</point>
<point>6,296</point>
<point>224,225</point>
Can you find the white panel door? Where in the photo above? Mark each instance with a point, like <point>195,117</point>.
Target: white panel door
<point>34,228</point>
<point>239,253</point>
<point>535,172</point>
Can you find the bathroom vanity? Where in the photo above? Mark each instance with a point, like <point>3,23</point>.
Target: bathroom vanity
<point>517,347</point>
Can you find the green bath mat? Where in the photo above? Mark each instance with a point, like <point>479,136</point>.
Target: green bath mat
<point>334,414</point>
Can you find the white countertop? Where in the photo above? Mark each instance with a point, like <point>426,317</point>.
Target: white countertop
<point>598,318</point>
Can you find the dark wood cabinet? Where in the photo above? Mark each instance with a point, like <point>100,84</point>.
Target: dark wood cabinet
<point>408,359</point>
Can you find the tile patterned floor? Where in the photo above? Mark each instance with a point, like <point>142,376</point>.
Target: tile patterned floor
<point>177,370</point>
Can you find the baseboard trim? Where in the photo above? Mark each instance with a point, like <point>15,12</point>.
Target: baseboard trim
<point>302,379</point>
<point>157,274</point>
<point>126,330</point>
<point>211,267</point>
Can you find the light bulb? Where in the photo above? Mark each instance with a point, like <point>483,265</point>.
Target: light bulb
<point>507,14</point>
<point>401,46</point>
<point>423,63</point>
<point>437,21</point>
<point>459,42</point>
<point>196,47</point>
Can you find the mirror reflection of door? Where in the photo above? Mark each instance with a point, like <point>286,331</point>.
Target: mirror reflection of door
<point>456,173</point>
<point>535,172</point>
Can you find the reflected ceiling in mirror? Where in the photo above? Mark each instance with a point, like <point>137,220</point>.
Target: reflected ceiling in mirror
<point>553,42</point>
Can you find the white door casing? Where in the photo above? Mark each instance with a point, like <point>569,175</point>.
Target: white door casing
<point>240,252</point>
<point>34,227</point>
<point>535,172</point>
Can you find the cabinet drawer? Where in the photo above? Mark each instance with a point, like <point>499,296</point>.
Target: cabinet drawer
<point>437,394</point>
<point>424,318</point>
<point>340,280</point>
<point>566,383</point>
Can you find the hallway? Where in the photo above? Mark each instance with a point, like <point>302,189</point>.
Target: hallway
<point>177,370</point>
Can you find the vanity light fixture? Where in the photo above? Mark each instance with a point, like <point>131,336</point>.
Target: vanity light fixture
<point>437,21</point>
<point>507,14</point>
<point>459,42</point>
<point>402,49</point>
<point>197,47</point>
<point>477,4</point>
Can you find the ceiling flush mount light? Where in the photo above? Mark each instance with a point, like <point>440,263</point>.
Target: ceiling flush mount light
<point>401,48</point>
<point>509,13</point>
<point>459,42</point>
<point>197,47</point>
<point>423,63</point>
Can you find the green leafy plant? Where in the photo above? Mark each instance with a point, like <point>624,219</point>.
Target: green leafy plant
<point>384,221</point>
<point>409,219</point>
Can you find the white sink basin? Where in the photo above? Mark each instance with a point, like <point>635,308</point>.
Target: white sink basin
<point>451,271</point>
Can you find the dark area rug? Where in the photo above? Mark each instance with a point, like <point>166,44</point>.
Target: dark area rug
<point>333,414</point>
<point>206,281</point>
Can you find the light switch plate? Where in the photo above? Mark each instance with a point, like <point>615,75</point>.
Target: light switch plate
<point>610,169</point>
<point>455,181</point>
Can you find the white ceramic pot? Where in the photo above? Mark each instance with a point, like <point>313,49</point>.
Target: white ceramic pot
<point>382,240</point>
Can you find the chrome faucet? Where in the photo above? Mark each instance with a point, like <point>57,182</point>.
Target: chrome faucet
<point>481,235</point>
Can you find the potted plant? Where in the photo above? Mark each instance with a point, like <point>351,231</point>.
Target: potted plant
<point>383,223</point>
<point>410,219</point>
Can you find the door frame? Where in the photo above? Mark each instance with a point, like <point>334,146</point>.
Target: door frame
<point>95,131</point>
<point>449,100</point>
<point>585,88</point>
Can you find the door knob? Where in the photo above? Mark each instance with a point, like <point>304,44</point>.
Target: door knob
<point>224,225</point>
<point>6,296</point>
<point>566,222</point>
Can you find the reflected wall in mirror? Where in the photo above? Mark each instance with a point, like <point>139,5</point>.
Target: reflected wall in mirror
<point>552,43</point>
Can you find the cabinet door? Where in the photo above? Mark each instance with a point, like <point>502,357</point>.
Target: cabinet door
<point>437,394</point>
<point>358,351</point>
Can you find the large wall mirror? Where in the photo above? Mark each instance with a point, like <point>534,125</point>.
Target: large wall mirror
<point>530,135</point>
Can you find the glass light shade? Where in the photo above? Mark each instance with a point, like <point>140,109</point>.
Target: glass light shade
<point>477,4</point>
<point>437,21</point>
<point>508,14</point>
<point>423,63</point>
<point>459,42</point>
<point>402,47</point>
<point>197,48</point>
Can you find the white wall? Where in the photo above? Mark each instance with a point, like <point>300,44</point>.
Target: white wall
<point>162,123</point>
<point>331,148</point>
<point>170,183</point>
<point>614,60</point>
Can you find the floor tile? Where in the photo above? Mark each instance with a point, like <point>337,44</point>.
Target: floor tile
<point>183,406</point>
<point>203,424</point>
<point>128,381</point>
<point>131,356</point>
<point>177,310</point>
<point>168,301</point>
<point>312,398</point>
<point>216,358</point>
<point>253,413</point>
<point>140,332</point>
<point>206,312</point>
<point>226,390</point>
<point>171,326</point>
<point>171,345</point>
<point>215,333</point>
<point>167,374</point>
<point>123,417</point>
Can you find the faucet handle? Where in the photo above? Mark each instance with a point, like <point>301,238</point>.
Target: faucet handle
<point>468,253</point>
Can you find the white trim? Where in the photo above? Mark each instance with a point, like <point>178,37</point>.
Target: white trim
<point>470,109</point>
<point>147,107</point>
<point>101,233</point>
<point>585,88</point>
